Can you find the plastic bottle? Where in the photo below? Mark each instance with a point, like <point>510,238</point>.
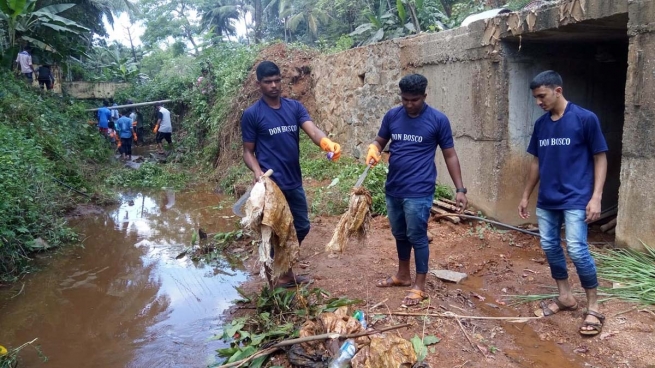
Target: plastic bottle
<point>359,315</point>
<point>346,353</point>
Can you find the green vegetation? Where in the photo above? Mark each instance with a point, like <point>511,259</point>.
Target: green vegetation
<point>279,314</point>
<point>48,155</point>
<point>149,175</point>
<point>631,271</point>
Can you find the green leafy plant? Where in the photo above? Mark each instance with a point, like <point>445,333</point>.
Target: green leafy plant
<point>279,313</point>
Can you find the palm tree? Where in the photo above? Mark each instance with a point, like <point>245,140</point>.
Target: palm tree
<point>217,17</point>
<point>304,12</point>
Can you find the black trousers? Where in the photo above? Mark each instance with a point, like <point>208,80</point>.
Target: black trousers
<point>126,146</point>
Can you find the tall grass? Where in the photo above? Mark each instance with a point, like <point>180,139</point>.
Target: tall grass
<point>632,272</point>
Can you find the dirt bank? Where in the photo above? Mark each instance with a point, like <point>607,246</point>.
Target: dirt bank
<point>296,80</point>
<point>499,264</point>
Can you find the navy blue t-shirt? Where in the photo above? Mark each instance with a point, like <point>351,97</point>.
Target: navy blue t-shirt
<point>276,134</point>
<point>414,141</point>
<point>566,150</point>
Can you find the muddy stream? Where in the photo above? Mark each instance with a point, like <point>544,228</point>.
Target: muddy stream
<point>124,300</point>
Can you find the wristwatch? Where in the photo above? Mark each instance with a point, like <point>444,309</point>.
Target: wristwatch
<point>461,190</point>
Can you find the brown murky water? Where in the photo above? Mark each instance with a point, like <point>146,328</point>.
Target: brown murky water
<point>123,300</point>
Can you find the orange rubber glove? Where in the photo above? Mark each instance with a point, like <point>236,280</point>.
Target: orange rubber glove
<point>134,136</point>
<point>373,156</point>
<point>156,128</point>
<point>328,146</point>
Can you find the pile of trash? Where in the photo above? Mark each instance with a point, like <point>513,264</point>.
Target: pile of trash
<point>381,350</point>
<point>268,217</point>
<point>354,222</point>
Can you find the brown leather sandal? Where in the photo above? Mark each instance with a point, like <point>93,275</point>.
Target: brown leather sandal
<point>544,311</point>
<point>597,327</point>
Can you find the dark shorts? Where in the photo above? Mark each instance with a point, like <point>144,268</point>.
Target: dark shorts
<point>47,83</point>
<point>161,136</point>
<point>28,76</point>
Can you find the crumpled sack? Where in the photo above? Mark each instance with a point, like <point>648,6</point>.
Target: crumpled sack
<point>354,222</point>
<point>373,351</point>
<point>268,217</point>
<point>385,351</point>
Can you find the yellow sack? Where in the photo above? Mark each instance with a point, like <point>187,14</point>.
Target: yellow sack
<point>269,218</point>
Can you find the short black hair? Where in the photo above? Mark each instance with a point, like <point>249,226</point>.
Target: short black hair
<point>414,84</point>
<point>550,79</point>
<point>267,69</point>
<point>105,103</point>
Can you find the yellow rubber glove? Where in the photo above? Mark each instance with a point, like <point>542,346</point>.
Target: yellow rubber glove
<point>328,146</point>
<point>373,156</point>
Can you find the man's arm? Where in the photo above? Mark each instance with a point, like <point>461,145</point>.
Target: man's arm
<point>313,132</point>
<point>320,139</point>
<point>600,172</point>
<point>251,160</point>
<point>533,179</point>
<point>455,171</point>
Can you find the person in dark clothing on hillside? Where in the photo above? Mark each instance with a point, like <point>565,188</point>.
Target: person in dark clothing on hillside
<point>45,77</point>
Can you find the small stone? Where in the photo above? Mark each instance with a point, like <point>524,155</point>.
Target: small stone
<point>448,275</point>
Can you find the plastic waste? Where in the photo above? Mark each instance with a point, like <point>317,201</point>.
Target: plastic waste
<point>359,315</point>
<point>329,155</point>
<point>346,353</point>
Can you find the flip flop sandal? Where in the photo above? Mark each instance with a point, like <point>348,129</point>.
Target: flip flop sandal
<point>300,280</point>
<point>392,281</point>
<point>597,327</point>
<point>416,296</point>
<point>544,311</point>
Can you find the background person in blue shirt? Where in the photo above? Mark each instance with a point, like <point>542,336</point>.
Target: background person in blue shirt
<point>125,132</point>
<point>271,136</point>
<point>104,115</point>
<point>415,130</point>
<point>569,159</point>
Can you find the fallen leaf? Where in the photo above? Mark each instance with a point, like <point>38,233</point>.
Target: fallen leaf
<point>607,335</point>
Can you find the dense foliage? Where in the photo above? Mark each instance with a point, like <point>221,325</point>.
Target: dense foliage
<point>47,153</point>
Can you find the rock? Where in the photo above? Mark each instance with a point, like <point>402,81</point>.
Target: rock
<point>448,275</point>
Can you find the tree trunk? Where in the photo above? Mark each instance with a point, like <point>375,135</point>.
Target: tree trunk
<point>447,7</point>
<point>259,10</point>
<point>129,35</point>
<point>414,15</point>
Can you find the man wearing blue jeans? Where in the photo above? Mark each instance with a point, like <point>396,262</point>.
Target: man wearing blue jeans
<point>271,140</point>
<point>415,130</point>
<point>569,159</point>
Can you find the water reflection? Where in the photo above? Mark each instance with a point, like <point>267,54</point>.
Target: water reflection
<point>124,300</point>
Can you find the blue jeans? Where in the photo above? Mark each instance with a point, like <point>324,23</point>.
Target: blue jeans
<point>298,206</point>
<point>550,223</point>
<point>409,225</point>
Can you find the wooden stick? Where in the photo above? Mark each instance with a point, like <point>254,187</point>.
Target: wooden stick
<point>469,339</point>
<point>379,304</point>
<point>451,207</point>
<point>610,225</point>
<point>280,344</point>
<point>453,315</point>
<point>445,214</point>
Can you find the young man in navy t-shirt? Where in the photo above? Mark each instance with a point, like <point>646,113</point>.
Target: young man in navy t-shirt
<point>415,130</point>
<point>570,163</point>
<point>271,140</point>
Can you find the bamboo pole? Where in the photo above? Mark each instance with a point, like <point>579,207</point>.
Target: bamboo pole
<point>132,105</point>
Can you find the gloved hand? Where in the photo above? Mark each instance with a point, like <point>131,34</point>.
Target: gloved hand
<point>156,128</point>
<point>328,146</point>
<point>134,136</point>
<point>373,156</point>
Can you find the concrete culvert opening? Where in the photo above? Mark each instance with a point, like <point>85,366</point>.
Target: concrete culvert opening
<point>592,57</point>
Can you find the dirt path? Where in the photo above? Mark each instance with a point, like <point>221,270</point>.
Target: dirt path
<point>498,264</point>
